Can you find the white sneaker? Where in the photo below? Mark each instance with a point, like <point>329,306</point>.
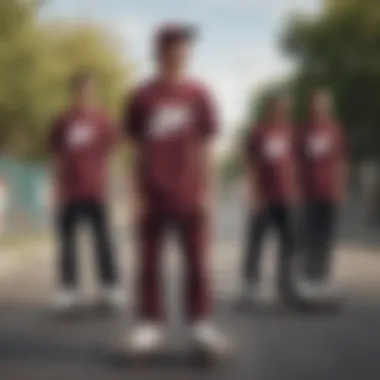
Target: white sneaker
<point>210,340</point>
<point>315,290</point>
<point>146,339</point>
<point>66,300</point>
<point>114,297</point>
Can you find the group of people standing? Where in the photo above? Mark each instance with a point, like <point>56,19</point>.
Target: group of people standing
<point>171,121</point>
<point>297,177</point>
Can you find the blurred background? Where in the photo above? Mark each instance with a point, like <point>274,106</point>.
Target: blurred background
<point>247,48</point>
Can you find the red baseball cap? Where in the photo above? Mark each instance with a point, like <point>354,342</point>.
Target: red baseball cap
<point>169,34</point>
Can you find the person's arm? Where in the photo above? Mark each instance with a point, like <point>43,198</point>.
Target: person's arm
<point>111,135</point>
<point>54,138</point>
<point>295,170</point>
<point>254,195</point>
<point>210,180</point>
<point>209,128</point>
<point>342,169</point>
<point>132,125</point>
<point>54,147</point>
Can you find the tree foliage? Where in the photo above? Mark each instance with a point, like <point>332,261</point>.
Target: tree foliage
<point>340,48</point>
<point>36,60</point>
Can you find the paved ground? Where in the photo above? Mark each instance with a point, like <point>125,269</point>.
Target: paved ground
<point>276,345</point>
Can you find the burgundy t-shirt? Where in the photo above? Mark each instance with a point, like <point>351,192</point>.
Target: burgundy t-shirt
<point>80,142</point>
<point>322,149</point>
<point>169,123</point>
<point>271,156</point>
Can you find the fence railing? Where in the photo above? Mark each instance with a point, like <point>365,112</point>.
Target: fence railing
<point>24,197</point>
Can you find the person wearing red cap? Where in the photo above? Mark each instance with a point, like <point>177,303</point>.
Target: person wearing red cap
<point>323,169</point>
<point>171,121</point>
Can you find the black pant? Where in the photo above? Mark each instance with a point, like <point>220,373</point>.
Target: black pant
<point>320,218</point>
<point>280,217</point>
<point>69,217</point>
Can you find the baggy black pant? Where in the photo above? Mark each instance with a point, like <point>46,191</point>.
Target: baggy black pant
<point>320,223</point>
<point>279,216</point>
<point>69,217</point>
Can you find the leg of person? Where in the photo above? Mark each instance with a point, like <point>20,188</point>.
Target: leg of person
<point>67,297</point>
<point>255,233</point>
<point>283,220</point>
<point>148,336</point>
<point>301,243</point>
<point>314,222</point>
<point>252,286</point>
<point>320,221</point>
<point>257,226</point>
<point>306,247</point>
<point>327,217</point>
<point>193,230</point>
<point>113,294</point>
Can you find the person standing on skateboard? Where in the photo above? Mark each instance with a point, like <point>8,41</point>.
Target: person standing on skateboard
<point>171,121</point>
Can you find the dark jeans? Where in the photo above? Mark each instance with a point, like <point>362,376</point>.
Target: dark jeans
<point>69,217</point>
<point>320,220</point>
<point>281,218</point>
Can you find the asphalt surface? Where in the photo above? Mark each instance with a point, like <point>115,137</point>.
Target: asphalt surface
<point>274,344</point>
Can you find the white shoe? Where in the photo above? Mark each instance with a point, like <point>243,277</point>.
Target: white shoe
<point>114,297</point>
<point>315,290</point>
<point>66,300</point>
<point>210,340</point>
<point>146,339</point>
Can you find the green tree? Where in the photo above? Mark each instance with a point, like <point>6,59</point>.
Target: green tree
<point>17,62</point>
<point>340,49</point>
<point>36,60</point>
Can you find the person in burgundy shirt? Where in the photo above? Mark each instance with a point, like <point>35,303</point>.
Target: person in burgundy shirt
<point>323,172</point>
<point>80,140</point>
<point>171,121</point>
<point>273,193</point>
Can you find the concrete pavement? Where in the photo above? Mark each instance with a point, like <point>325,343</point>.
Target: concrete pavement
<point>275,346</point>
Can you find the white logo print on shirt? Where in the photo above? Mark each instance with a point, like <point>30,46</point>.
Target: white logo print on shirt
<point>275,148</point>
<point>319,145</point>
<point>80,135</point>
<point>169,119</point>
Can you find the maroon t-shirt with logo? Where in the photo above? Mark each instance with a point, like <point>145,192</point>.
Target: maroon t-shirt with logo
<point>80,141</point>
<point>169,122</point>
<point>270,152</point>
<point>322,148</point>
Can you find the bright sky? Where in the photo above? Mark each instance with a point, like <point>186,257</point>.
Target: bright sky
<point>238,51</point>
